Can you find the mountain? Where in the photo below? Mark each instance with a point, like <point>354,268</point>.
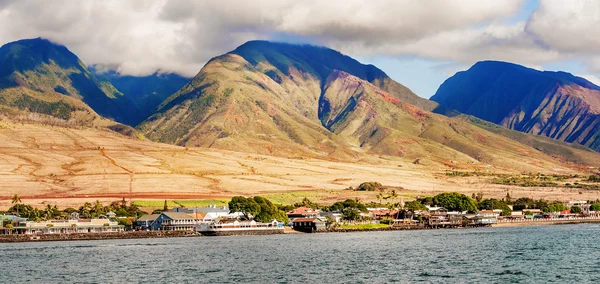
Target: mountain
<point>552,104</point>
<point>146,92</point>
<point>38,76</point>
<point>308,101</point>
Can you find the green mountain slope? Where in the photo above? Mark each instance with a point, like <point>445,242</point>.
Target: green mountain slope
<point>146,92</point>
<point>34,71</point>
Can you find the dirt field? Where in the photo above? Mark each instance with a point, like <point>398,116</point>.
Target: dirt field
<point>53,165</point>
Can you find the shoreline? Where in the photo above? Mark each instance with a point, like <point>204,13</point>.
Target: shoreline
<point>187,234</point>
<point>547,222</point>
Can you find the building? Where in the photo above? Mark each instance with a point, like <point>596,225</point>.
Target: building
<point>210,213</point>
<point>584,205</point>
<point>144,222</point>
<point>382,213</point>
<point>174,221</point>
<point>335,216</point>
<point>309,225</point>
<point>303,212</point>
<point>68,226</point>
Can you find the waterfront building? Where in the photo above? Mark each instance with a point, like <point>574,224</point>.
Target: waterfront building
<point>174,221</point>
<point>309,225</point>
<point>145,222</point>
<point>210,213</point>
<point>68,226</point>
<point>335,216</point>
<point>303,212</point>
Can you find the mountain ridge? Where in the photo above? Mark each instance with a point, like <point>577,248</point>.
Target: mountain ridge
<point>558,105</point>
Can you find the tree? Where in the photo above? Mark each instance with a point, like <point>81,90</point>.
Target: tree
<point>247,206</point>
<point>379,197</point>
<point>576,209</point>
<point>523,203</point>
<point>491,204</point>
<point>394,195</point>
<point>370,186</point>
<point>348,203</point>
<point>16,200</point>
<point>556,207</point>
<point>125,222</point>
<point>414,206</point>
<point>351,214</point>
<point>595,207</point>
<point>507,199</point>
<point>455,202</point>
<point>165,207</point>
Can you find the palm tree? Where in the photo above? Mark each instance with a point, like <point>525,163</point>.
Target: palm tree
<point>379,197</point>
<point>98,208</point>
<point>16,200</point>
<point>394,195</point>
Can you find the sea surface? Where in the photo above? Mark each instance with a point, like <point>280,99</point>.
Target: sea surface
<point>548,254</point>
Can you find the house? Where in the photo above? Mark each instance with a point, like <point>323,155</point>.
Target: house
<point>382,213</point>
<point>303,212</point>
<point>210,213</point>
<point>144,222</point>
<point>437,211</point>
<point>335,216</point>
<point>489,213</point>
<point>174,221</point>
<point>584,205</point>
<point>309,225</point>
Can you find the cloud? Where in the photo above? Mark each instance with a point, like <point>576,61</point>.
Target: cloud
<point>140,37</point>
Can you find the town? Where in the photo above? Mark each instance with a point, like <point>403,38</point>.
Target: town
<point>258,215</point>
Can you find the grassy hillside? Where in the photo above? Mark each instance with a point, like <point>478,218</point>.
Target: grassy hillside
<point>69,166</point>
<point>275,99</point>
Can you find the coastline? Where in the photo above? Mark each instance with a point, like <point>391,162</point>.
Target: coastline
<point>183,234</point>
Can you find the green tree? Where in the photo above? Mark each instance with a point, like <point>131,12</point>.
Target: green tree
<point>414,206</point>
<point>595,207</point>
<point>351,214</point>
<point>576,209</point>
<point>370,186</point>
<point>455,202</point>
<point>125,222</point>
<point>165,207</point>
<point>16,200</point>
<point>556,207</point>
<point>247,206</point>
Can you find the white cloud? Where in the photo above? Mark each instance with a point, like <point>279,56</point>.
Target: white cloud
<point>139,37</point>
<point>142,36</point>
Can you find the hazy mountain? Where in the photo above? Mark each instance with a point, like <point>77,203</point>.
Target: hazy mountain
<point>304,100</point>
<point>553,104</point>
<point>146,92</point>
<point>39,76</point>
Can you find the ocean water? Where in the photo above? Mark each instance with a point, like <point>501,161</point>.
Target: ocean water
<point>551,254</point>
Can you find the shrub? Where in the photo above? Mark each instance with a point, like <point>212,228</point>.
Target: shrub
<point>370,186</point>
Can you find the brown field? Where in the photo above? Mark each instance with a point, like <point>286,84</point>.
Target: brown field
<point>63,166</point>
